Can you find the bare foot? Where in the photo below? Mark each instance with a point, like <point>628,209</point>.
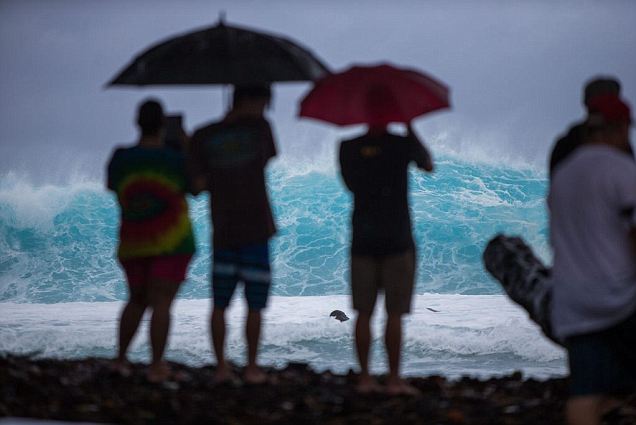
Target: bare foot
<point>253,375</point>
<point>223,375</point>
<point>121,367</point>
<point>158,372</point>
<point>398,387</point>
<point>367,385</point>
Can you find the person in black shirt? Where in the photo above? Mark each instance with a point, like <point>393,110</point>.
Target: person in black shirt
<point>229,159</point>
<point>374,168</point>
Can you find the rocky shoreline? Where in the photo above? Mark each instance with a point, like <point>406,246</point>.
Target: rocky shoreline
<point>89,390</point>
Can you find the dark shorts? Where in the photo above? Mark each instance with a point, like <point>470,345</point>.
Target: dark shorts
<point>249,264</point>
<point>170,268</point>
<point>603,363</point>
<point>395,274</point>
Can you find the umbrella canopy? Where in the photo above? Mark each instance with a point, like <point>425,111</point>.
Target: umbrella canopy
<point>374,95</point>
<point>222,54</point>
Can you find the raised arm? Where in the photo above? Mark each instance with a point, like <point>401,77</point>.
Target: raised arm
<point>421,155</point>
<point>345,169</point>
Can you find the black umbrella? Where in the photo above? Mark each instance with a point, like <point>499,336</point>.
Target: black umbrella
<point>222,54</point>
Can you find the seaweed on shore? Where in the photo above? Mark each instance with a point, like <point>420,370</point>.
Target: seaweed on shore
<point>89,390</point>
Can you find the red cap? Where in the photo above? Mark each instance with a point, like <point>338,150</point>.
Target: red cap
<point>609,109</point>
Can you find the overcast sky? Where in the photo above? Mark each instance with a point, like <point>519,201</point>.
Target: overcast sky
<point>515,69</point>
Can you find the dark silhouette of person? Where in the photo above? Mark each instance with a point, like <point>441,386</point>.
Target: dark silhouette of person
<point>592,206</point>
<point>374,168</point>
<point>229,159</point>
<point>156,241</point>
<point>575,136</point>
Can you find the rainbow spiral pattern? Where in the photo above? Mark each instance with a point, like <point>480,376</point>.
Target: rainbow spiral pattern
<point>150,185</point>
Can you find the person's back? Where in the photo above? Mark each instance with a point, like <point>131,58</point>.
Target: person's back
<point>156,241</point>
<point>592,203</point>
<point>593,259</point>
<point>374,168</point>
<point>228,159</point>
<point>150,184</point>
<point>233,155</point>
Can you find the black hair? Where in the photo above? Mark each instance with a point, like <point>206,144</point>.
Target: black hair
<point>601,86</point>
<point>150,117</point>
<point>256,91</point>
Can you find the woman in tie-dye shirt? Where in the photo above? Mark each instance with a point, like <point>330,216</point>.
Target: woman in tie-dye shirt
<point>156,241</point>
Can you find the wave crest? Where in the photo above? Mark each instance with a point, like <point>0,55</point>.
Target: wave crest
<point>58,242</point>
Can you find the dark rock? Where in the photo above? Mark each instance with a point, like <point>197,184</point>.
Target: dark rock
<point>86,390</point>
<point>339,315</point>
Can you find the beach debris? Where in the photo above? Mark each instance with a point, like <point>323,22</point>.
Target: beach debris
<point>339,315</point>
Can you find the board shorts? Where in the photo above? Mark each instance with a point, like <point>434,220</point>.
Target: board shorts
<point>603,363</point>
<point>395,274</point>
<point>248,264</point>
<point>170,268</point>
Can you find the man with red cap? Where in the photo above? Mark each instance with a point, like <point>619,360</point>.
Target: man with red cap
<point>592,207</point>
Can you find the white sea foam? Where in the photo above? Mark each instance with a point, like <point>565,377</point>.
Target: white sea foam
<point>57,246</point>
<point>31,206</point>
<point>478,335</point>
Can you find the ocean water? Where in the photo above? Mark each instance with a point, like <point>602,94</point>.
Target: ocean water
<point>61,288</point>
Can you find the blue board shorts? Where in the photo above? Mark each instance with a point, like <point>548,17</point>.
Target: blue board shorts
<point>249,264</point>
<point>603,363</point>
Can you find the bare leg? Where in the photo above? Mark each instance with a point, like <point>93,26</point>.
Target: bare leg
<point>366,383</point>
<point>584,410</point>
<point>393,344</point>
<point>253,374</point>
<point>129,323</point>
<point>223,373</point>
<point>161,294</point>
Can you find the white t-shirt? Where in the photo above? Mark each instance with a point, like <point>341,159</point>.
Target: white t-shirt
<point>592,204</point>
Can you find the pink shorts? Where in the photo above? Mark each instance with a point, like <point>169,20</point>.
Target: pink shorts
<point>171,268</point>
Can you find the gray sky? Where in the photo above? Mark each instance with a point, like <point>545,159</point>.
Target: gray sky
<point>515,68</point>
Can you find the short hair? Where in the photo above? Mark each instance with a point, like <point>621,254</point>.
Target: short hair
<point>600,86</point>
<point>253,91</point>
<point>150,117</point>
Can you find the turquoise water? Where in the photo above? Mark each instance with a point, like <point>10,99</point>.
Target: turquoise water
<point>61,288</point>
<point>57,243</point>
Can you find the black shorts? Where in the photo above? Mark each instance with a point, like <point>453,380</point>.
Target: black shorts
<point>604,363</point>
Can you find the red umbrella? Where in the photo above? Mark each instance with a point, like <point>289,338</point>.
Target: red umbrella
<point>374,95</point>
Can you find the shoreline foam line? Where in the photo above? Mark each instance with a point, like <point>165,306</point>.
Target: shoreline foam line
<point>478,335</point>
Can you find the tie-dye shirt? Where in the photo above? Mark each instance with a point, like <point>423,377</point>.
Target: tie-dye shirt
<point>151,184</point>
